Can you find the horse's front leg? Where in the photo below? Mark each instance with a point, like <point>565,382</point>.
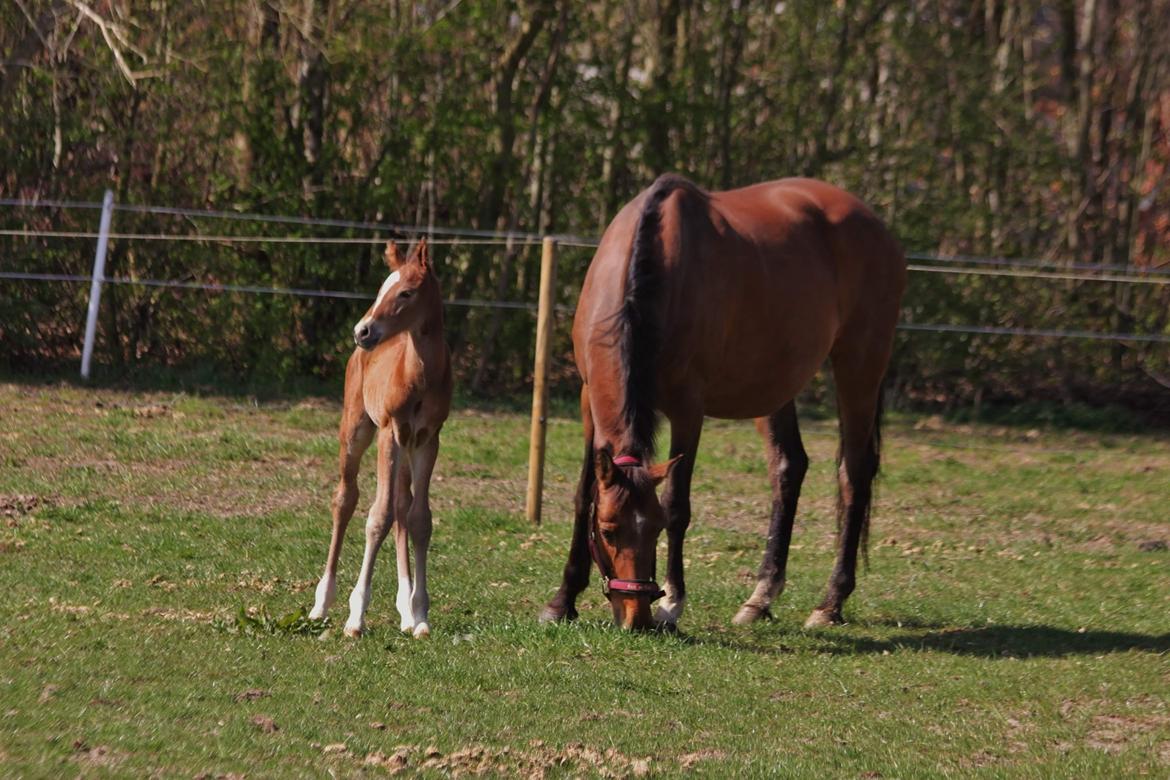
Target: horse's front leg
<point>562,606</point>
<point>676,503</point>
<point>787,465</point>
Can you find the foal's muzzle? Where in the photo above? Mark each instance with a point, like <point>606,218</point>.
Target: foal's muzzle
<point>365,335</point>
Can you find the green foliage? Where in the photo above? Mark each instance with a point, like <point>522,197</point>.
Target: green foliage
<point>295,623</point>
<point>962,128</point>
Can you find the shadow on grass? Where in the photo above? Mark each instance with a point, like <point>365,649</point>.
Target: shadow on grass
<point>1002,642</point>
<point>983,641</point>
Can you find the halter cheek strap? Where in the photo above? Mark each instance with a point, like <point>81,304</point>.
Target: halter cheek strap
<point>613,584</point>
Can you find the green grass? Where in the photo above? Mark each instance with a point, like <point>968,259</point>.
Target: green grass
<point>1008,625</point>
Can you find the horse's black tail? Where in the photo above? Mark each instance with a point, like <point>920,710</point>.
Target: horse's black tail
<point>639,329</point>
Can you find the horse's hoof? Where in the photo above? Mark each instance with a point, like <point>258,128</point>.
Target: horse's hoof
<point>354,632</point>
<point>822,618</point>
<point>421,631</point>
<point>750,613</point>
<point>551,614</point>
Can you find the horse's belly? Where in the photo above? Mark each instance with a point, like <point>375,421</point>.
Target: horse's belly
<point>757,396</point>
<point>753,377</point>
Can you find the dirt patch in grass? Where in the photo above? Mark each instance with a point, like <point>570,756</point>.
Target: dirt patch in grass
<point>181,615</point>
<point>265,724</point>
<point>534,761</point>
<point>1114,733</point>
<point>252,694</point>
<point>18,505</point>
<point>689,761</point>
<point>98,757</point>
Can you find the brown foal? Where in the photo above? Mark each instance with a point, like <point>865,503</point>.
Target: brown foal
<point>724,304</point>
<point>397,386</point>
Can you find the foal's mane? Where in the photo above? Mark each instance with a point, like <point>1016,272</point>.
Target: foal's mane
<point>638,327</point>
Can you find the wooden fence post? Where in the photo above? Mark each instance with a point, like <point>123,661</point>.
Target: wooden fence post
<point>544,326</point>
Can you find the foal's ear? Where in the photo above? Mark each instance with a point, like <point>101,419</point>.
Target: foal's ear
<point>393,258</point>
<point>660,471</point>
<point>422,254</point>
<point>606,470</point>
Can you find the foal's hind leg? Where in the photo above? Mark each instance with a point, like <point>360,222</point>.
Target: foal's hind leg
<point>377,525</point>
<point>402,499</point>
<point>357,431</point>
<point>418,522</point>
<point>859,412</point>
<point>787,464</point>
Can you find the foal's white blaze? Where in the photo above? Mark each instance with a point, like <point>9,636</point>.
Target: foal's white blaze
<point>391,280</point>
<point>387,285</point>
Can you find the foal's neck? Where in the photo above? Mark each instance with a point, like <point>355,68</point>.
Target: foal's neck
<point>426,336</point>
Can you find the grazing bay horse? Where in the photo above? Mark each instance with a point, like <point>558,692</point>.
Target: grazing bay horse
<point>724,304</point>
<point>398,387</point>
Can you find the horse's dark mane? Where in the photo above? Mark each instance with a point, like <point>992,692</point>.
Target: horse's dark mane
<point>638,326</point>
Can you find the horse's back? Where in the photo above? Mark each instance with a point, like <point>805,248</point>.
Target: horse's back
<point>759,284</point>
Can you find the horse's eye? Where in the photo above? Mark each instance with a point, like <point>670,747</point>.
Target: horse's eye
<point>609,532</point>
<point>405,294</point>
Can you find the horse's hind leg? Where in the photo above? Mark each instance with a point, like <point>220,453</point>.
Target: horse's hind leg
<point>357,431</point>
<point>377,526</point>
<point>859,409</point>
<point>787,464</point>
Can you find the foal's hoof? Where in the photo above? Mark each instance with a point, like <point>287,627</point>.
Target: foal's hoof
<point>750,613</point>
<point>421,631</point>
<point>821,618</point>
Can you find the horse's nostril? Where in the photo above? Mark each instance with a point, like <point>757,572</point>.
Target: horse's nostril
<point>363,332</point>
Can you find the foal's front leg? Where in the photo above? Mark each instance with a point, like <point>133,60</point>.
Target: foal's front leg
<point>377,525</point>
<point>676,501</point>
<point>357,431</point>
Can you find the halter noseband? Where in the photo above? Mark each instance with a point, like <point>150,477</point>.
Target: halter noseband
<point>632,587</point>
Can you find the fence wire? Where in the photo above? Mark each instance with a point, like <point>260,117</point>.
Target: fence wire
<point>974,266</point>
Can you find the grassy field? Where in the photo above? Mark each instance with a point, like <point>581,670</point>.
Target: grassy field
<point>1014,621</point>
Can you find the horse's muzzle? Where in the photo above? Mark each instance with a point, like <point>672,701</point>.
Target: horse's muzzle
<point>631,611</point>
<point>365,335</point>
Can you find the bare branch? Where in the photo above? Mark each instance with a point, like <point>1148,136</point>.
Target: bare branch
<point>116,40</point>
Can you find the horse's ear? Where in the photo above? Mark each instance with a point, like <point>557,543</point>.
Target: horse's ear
<point>606,470</point>
<point>393,258</point>
<point>422,254</point>
<point>660,471</point>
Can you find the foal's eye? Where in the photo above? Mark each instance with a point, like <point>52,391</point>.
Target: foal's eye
<point>405,294</point>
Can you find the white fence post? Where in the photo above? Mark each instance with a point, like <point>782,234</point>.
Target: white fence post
<point>95,285</point>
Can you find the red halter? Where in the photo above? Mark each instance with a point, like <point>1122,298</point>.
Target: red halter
<point>633,587</point>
